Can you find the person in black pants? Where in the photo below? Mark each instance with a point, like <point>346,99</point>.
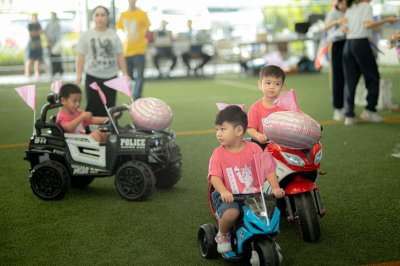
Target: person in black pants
<point>358,59</point>
<point>337,39</point>
<point>194,52</point>
<point>100,56</point>
<point>163,42</point>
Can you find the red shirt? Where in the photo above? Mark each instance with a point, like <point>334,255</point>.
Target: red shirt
<point>238,170</point>
<point>257,112</point>
<point>63,118</point>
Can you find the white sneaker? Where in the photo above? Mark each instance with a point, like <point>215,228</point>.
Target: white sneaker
<point>396,154</point>
<point>396,151</point>
<point>338,115</point>
<point>371,116</point>
<point>224,242</point>
<point>349,121</point>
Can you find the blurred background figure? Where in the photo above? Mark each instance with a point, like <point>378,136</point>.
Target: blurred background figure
<point>34,51</point>
<point>163,43</point>
<point>135,25</point>
<point>100,54</point>
<point>336,39</point>
<point>195,52</point>
<point>359,59</point>
<point>53,37</point>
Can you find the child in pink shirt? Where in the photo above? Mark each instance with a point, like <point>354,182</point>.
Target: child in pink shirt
<point>271,82</point>
<point>232,171</point>
<point>74,120</point>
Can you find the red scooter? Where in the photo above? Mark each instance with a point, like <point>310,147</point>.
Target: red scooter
<point>297,171</point>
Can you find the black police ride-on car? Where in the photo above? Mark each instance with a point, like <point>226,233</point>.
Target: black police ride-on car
<point>139,159</point>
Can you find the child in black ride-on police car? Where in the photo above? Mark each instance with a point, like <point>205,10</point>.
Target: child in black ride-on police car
<point>73,119</point>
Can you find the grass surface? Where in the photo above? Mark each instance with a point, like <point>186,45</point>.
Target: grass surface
<point>95,226</point>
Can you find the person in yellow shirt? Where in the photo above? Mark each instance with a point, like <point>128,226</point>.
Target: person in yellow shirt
<point>135,24</point>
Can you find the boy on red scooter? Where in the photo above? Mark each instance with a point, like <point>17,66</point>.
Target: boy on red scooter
<point>271,83</point>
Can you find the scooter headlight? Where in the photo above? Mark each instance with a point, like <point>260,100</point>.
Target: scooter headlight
<point>293,159</point>
<point>318,157</point>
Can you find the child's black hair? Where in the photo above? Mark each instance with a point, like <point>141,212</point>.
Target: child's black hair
<point>272,71</point>
<point>232,114</point>
<point>350,2</point>
<point>68,89</point>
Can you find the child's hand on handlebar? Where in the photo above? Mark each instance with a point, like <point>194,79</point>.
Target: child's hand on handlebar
<point>278,192</point>
<point>262,138</point>
<point>226,196</point>
<point>87,115</point>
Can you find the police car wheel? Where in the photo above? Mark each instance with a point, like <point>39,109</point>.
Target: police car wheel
<point>50,180</point>
<point>134,181</point>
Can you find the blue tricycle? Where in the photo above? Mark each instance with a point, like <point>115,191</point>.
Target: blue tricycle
<point>253,236</point>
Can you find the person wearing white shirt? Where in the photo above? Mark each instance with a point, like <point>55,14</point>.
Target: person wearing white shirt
<point>358,59</point>
<point>337,39</point>
<point>100,56</point>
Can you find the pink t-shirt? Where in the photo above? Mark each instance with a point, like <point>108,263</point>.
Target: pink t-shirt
<point>238,170</point>
<point>63,118</point>
<point>257,112</point>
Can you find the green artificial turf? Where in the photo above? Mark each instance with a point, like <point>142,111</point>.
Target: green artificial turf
<point>94,226</point>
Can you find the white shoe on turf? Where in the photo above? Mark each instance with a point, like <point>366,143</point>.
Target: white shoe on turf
<point>349,121</point>
<point>369,116</point>
<point>338,115</point>
<point>396,151</point>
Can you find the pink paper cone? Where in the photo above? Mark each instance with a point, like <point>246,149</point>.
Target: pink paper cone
<point>96,87</point>
<point>120,84</point>
<point>56,86</point>
<point>28,94</point>
<point>287,101</point>
<point>265,165</point>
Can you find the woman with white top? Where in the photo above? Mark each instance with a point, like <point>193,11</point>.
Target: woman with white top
<point>358,59</point>
<point>100,53</point>
<point>337,39</point>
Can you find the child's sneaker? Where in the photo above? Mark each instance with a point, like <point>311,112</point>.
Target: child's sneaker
<point>371,116</point>
<point>224,242</point>
<point>338,115</point>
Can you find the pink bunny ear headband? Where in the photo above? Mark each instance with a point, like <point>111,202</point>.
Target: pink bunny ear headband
<point>286,100</point>
<point>222,106</point>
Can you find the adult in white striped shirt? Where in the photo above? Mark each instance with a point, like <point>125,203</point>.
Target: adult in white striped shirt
<point>358,59</point>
